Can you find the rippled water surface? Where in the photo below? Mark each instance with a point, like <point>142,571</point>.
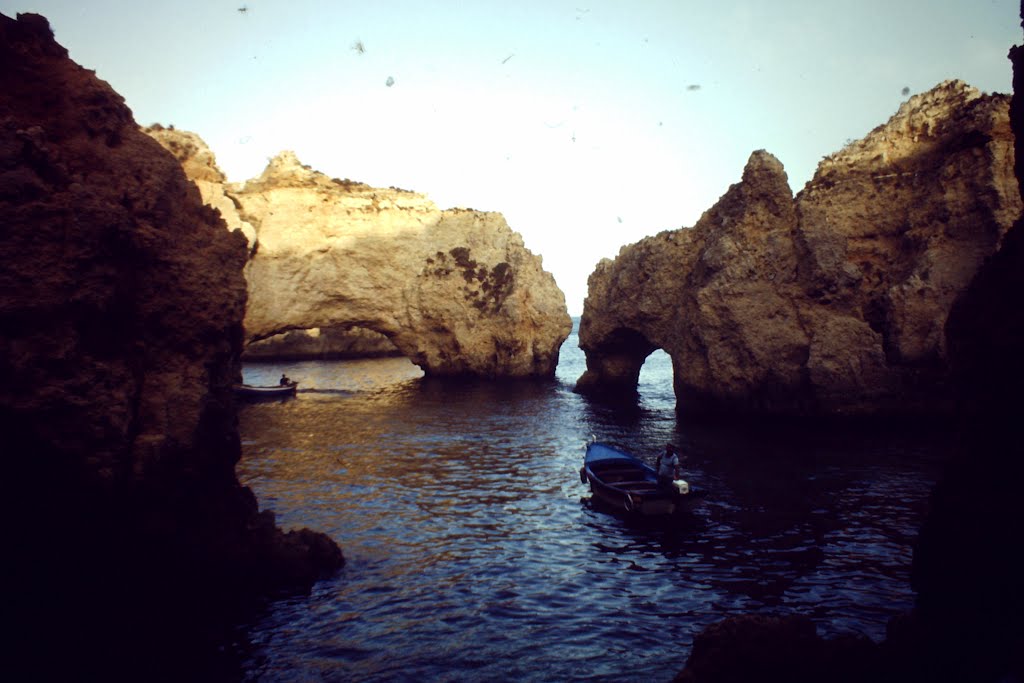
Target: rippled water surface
<point>473,552</point>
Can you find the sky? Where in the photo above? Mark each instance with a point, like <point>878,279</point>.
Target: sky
<point>588,124</point>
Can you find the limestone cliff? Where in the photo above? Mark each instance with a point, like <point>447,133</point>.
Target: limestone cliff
<point>200,166</point>
<point>121,304</point>
<point>456,291</point>
<point>832,302</point>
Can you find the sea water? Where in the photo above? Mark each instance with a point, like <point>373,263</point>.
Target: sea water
<point>474,552</point>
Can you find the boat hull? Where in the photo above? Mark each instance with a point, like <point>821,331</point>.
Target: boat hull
<point>257,393</point>
<point>648,505</point>
<point>626,484</point>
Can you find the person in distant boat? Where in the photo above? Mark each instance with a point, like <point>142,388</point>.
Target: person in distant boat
<point>668,466</point>
<point>284,380</point>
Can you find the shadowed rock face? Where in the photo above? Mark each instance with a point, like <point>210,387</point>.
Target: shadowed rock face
<point>777,650</point>
<point>830,303</point>
<point>456,291</point>
<point>969,560</point>
<point>121,305</point>
<point>318,344</point>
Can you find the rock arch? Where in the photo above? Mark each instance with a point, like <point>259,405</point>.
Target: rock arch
<point>614,362</point>
<point>456,291</point>
<point>321,343</point>
<point>832,302</point>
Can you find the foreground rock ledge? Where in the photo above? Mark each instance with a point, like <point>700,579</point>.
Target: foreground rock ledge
<point>830,303</point>
<point>455,291</point>
<point>121,304</point>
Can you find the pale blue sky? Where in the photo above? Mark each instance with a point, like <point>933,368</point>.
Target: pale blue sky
<point>589,124</point>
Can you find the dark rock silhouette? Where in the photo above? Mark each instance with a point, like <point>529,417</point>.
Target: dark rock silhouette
<point>121,304</point>
<point>776,649</point>
<point>969,562</point>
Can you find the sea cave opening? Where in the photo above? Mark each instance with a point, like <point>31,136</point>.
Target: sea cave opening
<point>654,382</point>
<point>337,342</point>
<point>624,362</point>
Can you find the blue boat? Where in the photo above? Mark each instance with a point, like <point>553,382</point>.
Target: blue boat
<point>622,481</point>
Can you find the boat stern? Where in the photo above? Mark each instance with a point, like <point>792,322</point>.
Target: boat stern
<point>650,506</point>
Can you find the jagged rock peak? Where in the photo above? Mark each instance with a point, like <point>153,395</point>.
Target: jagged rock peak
<point>200,166</point>
<point>286,170</point>
<point>33,30</point>
<point>933,118</point>
<point>191,151</point>
<point>763,164</point>
<point>286,167</point>
<point>764,178</point>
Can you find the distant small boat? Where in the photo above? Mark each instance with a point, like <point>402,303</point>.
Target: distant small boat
<point>627,484</point>
<point>256,392</point>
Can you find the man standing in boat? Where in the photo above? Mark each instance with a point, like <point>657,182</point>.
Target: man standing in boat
<point>668,467</point>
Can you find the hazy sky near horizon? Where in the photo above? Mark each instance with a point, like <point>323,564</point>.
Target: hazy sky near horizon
<point>589,124</point>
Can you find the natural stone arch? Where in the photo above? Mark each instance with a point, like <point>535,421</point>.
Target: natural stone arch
<point>830,303</point>
<point>331,343</point>
<point>456,291</point>
<point>614,362</point>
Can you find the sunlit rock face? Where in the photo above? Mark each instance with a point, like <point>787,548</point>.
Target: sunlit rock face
<point>830,303</point>
<point>455,291</point>
<point>121,306</point>
<point>200,166</point>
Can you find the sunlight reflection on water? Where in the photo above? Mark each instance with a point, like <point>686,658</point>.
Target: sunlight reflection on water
<point>473,551</point>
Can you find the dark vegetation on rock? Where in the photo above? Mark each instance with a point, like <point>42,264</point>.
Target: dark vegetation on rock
<point>121,305</point>
<point>485,289</point>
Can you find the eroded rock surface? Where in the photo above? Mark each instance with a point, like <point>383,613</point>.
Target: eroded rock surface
<point>121,305</point>
<point>200,166</point>
<point>969,558</point>
<point>830,303</point>
<point>456,291</point>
